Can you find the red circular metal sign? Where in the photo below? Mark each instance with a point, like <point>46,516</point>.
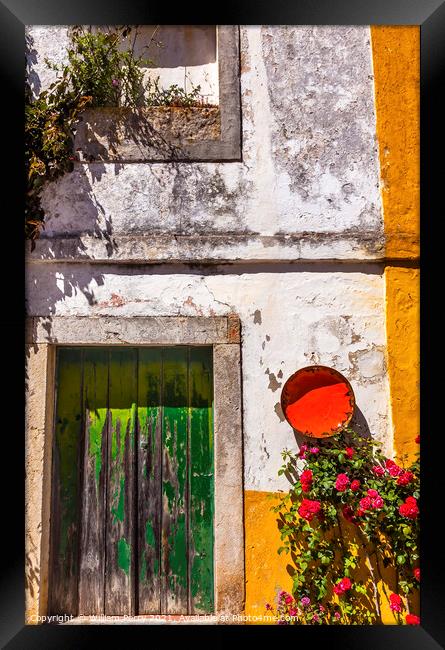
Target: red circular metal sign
<point>317,401</point>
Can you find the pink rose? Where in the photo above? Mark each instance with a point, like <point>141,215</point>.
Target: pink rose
<point>395,603</point>
<point>377,502</point>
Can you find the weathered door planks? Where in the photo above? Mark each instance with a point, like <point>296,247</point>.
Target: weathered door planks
<point>200,552</point>
<point>66,463</point>
<point>174,482</point>
<point>92,543</point>
<point>149,479</point>
<point>134,437</point>
<point>121,525</point>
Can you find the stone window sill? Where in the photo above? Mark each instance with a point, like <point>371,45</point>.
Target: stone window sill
<point>150,134</point>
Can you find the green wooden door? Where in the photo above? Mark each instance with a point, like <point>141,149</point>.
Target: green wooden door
<point>132,502</point>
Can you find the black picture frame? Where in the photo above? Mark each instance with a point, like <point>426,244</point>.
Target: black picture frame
<point>430,15</point>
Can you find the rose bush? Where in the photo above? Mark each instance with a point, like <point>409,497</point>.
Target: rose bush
<point>349,508</point>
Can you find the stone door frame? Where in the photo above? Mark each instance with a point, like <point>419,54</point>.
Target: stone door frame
<point>43,335</point>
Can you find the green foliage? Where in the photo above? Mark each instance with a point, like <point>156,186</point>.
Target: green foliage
<point>333,528</point>
<point>101,71</point>
<point>100,67</point>
<point>49,124</point>
<point>174,95</point>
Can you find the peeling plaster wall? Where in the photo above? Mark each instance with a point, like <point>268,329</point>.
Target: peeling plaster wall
<point>310,162</point>
<point>307,188</point>
<point>289,320</point>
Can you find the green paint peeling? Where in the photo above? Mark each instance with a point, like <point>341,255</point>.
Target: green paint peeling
<point>174,395</point>
<point>67,438</point>
<point>149,534</point>
<point>143,572</point>
<point>177,559</point>
<point>119,512</point>
<point>124,555</point>
<point>96,420</point>
<point>133,415</point>
<point>169,492</point>
<point>113,440</point>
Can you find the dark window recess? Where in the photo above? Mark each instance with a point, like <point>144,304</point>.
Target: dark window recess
<point>132,502</point>
<point>171,133</point>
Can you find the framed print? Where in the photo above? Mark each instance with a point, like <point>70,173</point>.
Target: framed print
<point>223,430</point>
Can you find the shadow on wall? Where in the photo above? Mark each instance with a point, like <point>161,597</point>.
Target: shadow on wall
<point>88,217</point>
<point>379,581</point>
<point>30,61</point>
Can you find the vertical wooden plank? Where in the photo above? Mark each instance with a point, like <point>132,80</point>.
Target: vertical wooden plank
<point>174,482</point>
<point>92,544</point>
<point>63,579</point>
<point>201,470</point>
<point>149,480</point>
<point>120,525</point>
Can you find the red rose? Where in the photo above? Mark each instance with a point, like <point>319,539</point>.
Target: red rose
<point>306,480</point>
<point>393,469</point>
<point>409,508</point>
<point>308,509</point>
<point>412,619</point>
<point>365,503</point>
<point>405,478</point>
<point>372,500</point>
<point>349,452</point>
<point>416,573</point>
<point>342,586</point>
<point>395,603</point>
<point>377,502</point>
<point>418,440</point>
<point>378,470</point>
<point>355,485</point>
<point>341,483</point>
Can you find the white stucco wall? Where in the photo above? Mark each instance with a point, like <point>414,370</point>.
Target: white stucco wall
<point>309,152</point>
<point>289,319</point>
<point>309,179</point>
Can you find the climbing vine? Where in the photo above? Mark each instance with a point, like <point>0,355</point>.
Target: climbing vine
<point>350,519</point>
<point>101,70</point>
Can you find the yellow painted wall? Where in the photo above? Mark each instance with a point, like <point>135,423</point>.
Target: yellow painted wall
<point>396,60</point>
<point>403,341</point>
<point>266,571</point>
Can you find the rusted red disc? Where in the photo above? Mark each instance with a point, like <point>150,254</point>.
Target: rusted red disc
<point>317,401</point>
